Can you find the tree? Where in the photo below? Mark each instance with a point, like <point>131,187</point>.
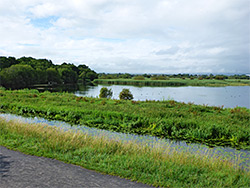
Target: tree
<point>126,95</point>
<point>126,75</point>
<point>45,71</point>
<point>105,93</point>
<point>42,64</point>
<point>87,75</point>
<point>68,75</point>
<point>7,62</point>
<point>91,75</point>
<point>82,68</point>
<point>40,76</point>
<point>17,76</point>
<point>53,75</point>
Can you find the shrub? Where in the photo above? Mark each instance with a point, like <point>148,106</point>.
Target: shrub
<point>105,93</point>
<point>139,77</point>
<point>218,77</point>
<point>159,77</point>
<point>126,95</point>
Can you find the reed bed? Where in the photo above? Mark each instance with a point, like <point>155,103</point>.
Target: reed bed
<point>158,166</point>
<point>174,82</point>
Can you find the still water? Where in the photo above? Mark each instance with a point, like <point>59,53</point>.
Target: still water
<point>239,157</point>
<point>229,97</point>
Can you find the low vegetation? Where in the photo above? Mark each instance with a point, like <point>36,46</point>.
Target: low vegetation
<point>158,81</point>
<point>154,166</point>
<point>166,119</point>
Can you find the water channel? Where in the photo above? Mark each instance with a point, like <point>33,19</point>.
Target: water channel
<point>229,96</point>
<point>239,157</point>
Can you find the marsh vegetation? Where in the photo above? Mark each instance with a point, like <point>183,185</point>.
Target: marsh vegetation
<point>151,165</point>
<point>211,125</point>
<point>174,82</point>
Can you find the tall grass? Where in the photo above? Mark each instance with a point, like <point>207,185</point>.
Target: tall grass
<point>154,166</point>
<point>173,82</point>
<point>166,119</point>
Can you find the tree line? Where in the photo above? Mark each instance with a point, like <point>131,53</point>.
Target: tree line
<point>27,71</point>
<point>168,76</point>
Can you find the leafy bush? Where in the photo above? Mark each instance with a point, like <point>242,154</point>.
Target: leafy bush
<point>139,77</point>
<point>126,95</point>
<point>105,93</point>
<point>220,77</point>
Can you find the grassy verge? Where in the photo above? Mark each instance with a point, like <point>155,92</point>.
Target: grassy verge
<point>153,166</point>
<point>174,82</point>
<point>166,119</point>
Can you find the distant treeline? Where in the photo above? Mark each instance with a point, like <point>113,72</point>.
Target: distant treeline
<point>168,76</point>
<point>27,71</point>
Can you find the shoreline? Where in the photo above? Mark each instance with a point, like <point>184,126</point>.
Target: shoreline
<point>143,164</point>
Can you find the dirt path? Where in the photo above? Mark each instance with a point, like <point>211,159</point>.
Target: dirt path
<point>20,170</point>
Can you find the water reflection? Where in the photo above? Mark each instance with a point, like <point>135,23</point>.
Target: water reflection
<point>230,96</point>
<point>222,152</point>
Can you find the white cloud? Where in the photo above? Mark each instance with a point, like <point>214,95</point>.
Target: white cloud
<point>216,50</point>
<point>45,10</point>
<point>130,36</point>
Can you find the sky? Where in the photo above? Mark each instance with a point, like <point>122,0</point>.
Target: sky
<point>133,36</point>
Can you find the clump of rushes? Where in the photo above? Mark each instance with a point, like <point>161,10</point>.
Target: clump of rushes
<point>154,166</point>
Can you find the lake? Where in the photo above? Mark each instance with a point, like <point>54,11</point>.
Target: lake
<point>229,96</point>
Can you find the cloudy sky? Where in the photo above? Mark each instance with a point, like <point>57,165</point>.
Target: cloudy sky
<point>135,36</point>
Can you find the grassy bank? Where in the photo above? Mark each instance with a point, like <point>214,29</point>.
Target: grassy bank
<point>148,165</point>
<point>174,82</point>
<point>166,119</point>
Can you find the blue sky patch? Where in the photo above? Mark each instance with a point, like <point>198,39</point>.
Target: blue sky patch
<point>114,40</point>
<point>28,44</point>
<point>44,23</point>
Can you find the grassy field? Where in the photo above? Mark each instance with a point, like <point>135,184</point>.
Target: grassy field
<point>175,82</point>
<point>212,126</point>
<point>154,166</point>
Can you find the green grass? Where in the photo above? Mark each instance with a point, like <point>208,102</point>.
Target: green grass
<point>174,82</point>
<point>166,119</point>
<point>153,166</point>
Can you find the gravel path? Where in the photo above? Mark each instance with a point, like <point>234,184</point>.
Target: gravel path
<point>20,170</point>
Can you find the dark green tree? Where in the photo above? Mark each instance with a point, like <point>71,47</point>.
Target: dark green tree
<point>68,76</point>
<point>6,62</point>
<point>17,76</point>
<point>91,75</point>
<point>40,76</point>
<point>44,71</point>
<point>86,74</point>
<point>53,76</point>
